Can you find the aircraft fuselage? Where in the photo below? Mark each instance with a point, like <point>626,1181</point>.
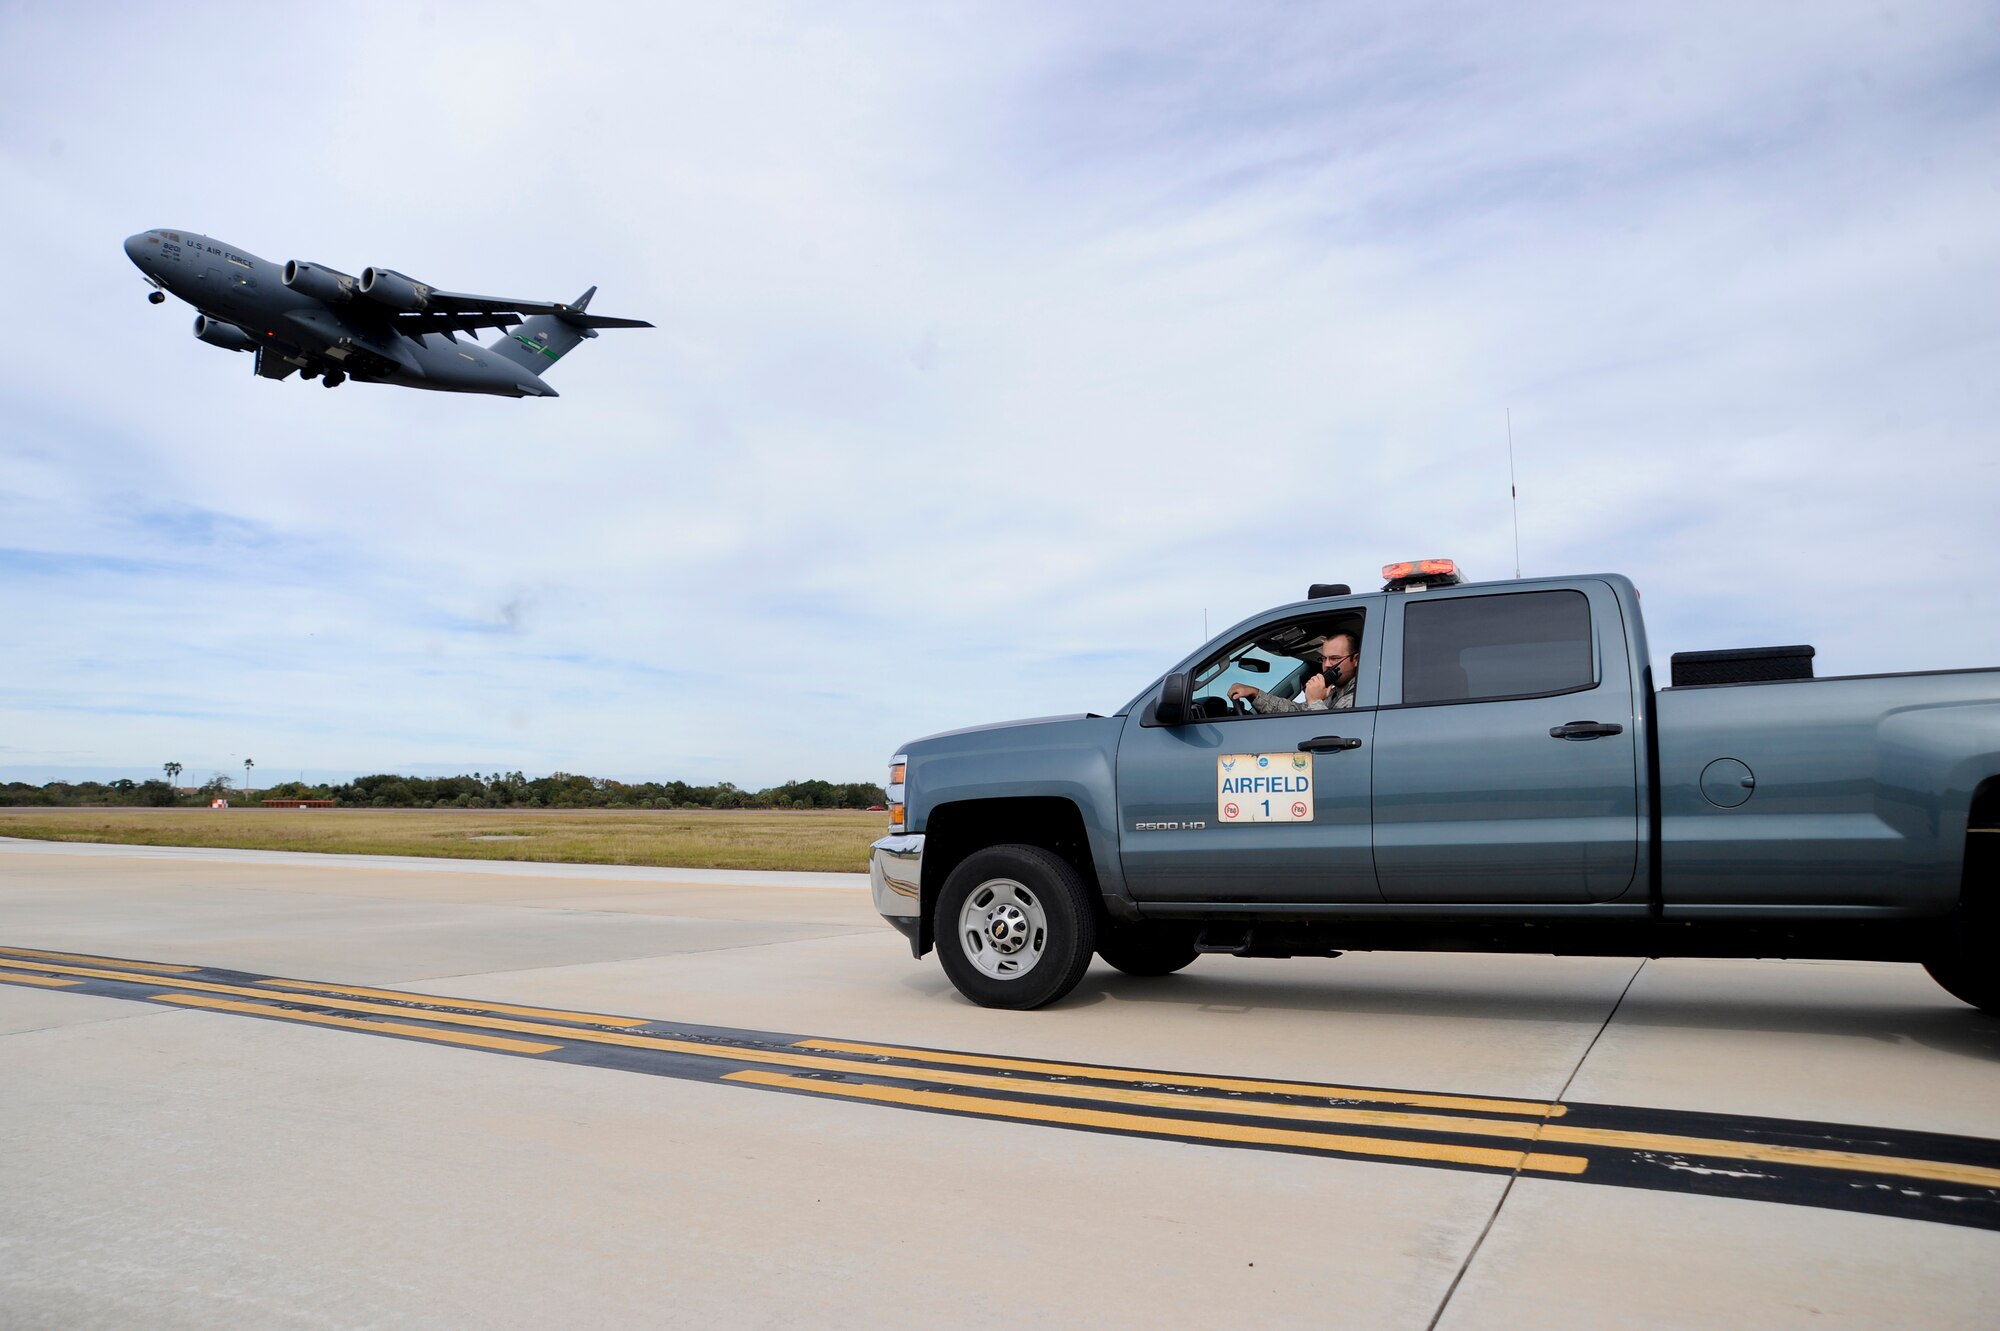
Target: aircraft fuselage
<point>291,331</point>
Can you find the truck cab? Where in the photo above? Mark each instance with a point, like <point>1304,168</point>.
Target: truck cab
<point>1495,761</point>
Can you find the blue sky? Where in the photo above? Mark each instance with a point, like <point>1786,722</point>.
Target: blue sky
<point>999,348</point>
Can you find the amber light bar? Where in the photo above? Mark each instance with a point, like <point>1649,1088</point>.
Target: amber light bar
<point>1418,568</point>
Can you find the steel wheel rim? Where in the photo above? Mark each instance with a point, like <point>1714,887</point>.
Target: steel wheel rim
<point>1003,928</point>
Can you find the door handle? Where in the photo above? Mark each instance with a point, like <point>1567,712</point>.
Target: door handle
<point>1586,730</point>
<point>1328,744</point>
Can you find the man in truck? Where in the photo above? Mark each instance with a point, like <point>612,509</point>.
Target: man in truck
<point>1330,690</point>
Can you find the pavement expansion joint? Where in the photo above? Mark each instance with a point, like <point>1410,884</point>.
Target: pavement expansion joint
<point>79,1025</point>
<point>1507,1192</point>
<point>1913,1175</point>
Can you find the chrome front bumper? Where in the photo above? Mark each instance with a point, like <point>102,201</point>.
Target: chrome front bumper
<point>895,875</point>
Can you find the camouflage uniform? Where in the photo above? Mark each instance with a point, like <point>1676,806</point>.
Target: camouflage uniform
<point>1270,704</point>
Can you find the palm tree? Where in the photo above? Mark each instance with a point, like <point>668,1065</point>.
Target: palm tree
<point>248,763</point>
<point>173,771</point>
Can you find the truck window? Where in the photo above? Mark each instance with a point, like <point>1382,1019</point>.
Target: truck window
<point>1461,649</point>
<point>1275,660</point>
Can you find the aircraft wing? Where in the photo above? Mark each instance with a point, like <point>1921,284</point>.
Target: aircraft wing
<point>457,311</point>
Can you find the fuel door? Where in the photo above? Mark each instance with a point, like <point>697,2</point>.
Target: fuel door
<point>1726,783</point>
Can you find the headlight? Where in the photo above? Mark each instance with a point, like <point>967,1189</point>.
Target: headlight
<point>899,767</point>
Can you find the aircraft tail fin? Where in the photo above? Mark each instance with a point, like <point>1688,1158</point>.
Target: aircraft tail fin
<point>544,339</point>
<point>539,343</point>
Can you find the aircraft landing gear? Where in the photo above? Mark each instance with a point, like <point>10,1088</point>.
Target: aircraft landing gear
<point>334,379</point>
<point>156,297</point>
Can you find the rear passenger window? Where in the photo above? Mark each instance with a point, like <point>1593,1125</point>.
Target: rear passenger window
<point>1461,649</point>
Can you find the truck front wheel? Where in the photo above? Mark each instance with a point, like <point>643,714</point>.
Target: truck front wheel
<point>1014,927</point>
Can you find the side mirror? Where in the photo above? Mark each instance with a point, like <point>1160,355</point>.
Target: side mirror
<point>1176,705</point>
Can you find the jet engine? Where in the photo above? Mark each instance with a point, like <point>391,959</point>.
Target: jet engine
<point>321,283</point>
<point>395,290</point>
<point>218,334</point>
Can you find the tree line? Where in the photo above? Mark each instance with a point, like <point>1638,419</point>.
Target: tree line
<point>479,790</point>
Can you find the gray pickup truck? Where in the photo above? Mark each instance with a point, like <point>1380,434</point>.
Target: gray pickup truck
<point>1498,774</point>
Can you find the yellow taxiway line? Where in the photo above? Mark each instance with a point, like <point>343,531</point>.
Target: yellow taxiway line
<point>1533,1129</point>
<point>52,981</point>
<point>78,956</point>
<point>1172,1127</point>
<point>551,1014</point>
<point>355,1023</point>
<point>1473,1104</point>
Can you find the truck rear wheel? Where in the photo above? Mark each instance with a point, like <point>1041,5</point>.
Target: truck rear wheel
<point>1964,961</point>
<point>1969,979</point>
<point>1147,949</point>
<point>1014,927</point>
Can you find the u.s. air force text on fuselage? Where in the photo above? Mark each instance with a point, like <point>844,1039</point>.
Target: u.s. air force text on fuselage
<point>381,327</point>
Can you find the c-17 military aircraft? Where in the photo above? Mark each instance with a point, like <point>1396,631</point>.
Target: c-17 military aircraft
<point>381,327</point>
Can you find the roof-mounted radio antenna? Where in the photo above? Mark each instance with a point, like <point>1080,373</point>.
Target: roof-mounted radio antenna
<point>1514,494</point>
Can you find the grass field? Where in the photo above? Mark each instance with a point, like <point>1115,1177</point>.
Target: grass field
<point>830,840</point>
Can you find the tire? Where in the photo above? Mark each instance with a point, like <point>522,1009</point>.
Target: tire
<point>1965,962</point>
<point>1147,949</point>
<point>1015,927</point>
<point>1968,979</point>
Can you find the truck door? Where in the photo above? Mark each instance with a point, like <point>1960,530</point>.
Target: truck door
<point>1241,806</point>
<point>1506,752</point>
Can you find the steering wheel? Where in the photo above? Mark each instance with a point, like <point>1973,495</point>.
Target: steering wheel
<point>1240,706</point>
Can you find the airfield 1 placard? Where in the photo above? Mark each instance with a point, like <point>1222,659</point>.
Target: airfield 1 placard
<point>1264,787</point>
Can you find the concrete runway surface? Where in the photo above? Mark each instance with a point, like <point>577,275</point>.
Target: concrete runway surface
<point>252,1089</point>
